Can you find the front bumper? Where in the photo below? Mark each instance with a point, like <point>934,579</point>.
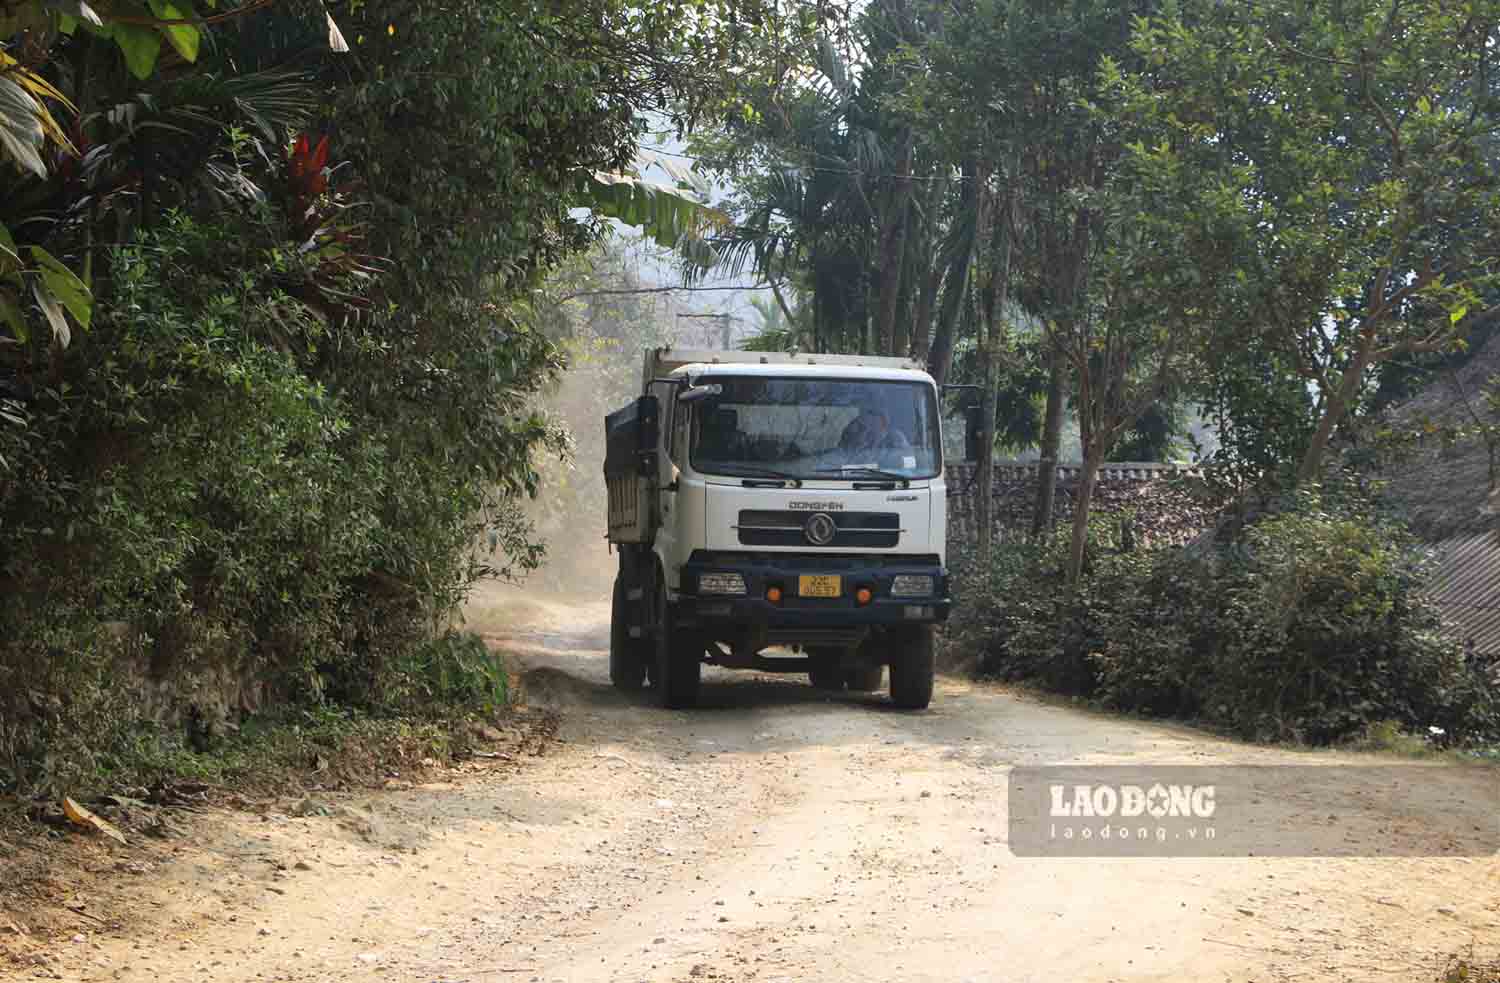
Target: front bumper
<point>762,571</point>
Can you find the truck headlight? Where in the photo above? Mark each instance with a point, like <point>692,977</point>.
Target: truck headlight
<point>721,583</point>
<point>911,585</point>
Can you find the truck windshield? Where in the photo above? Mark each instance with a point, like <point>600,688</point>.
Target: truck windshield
<point>817,428</point>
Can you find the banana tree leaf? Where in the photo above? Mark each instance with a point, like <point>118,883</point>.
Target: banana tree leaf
<point>684,175</point>
<point>665,214</point>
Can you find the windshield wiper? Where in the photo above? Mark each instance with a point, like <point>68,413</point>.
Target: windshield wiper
<point>860,469</point>
<point>750,471</point>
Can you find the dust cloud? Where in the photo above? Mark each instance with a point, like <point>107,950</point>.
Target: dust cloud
<point>568,512</point>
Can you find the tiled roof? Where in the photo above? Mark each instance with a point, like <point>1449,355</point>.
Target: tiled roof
<point>1467,587</point>
<point>1443,487</point>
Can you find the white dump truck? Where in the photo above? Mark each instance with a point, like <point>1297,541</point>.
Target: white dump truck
<point>778,512</point>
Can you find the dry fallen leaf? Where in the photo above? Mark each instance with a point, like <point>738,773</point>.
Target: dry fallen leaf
<point>79,816</point>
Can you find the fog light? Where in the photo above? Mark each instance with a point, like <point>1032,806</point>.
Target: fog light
<point>773,594</point>
<point>911,585</point>
<point>863,595</point>
<point>721,583</point>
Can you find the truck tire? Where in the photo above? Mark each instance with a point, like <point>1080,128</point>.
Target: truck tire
<point>627,664</point>
<point>823,669</point>
<point>679,665</point>
<point>913,664</point>
<point>864,678</point>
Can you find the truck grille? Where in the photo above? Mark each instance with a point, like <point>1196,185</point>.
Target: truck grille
<point>852,530</point>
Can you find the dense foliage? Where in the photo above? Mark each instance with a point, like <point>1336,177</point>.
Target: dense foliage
<point>1310,628</point>
<point>270,360</point>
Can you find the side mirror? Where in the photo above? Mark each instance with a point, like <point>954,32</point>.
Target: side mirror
<point>648,421</point>
<point>974,431</point>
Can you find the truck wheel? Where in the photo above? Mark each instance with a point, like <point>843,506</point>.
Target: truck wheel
<point>678,662</point>
<point>864,678</point>
<point>627,666</point>
<point>913,663</point>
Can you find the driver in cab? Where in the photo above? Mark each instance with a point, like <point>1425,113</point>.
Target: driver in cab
<point>872,430</point>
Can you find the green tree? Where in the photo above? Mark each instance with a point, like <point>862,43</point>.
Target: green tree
<point>319,347</point>
<point>1352,146</point>
<point>1058,227</point>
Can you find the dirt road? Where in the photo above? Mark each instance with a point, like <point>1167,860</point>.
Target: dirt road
<point>777,834</point>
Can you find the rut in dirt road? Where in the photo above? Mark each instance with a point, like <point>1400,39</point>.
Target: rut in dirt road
<point>779,833</point>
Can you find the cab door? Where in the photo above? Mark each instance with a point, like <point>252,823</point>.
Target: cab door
<point>668,454</point>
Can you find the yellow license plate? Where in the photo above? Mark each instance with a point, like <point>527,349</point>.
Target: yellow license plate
<point>820,585</point>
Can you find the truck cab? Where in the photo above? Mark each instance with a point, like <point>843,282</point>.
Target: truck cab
<point>778,512</point>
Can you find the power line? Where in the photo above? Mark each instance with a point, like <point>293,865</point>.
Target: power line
<point>830,170</point>
<point>653,290</point>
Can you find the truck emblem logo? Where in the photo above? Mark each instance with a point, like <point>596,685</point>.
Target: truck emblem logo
<point>820,529</point>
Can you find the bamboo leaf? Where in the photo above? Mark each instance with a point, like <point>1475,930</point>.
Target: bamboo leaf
<point>75,10</point>
<point>53,312</point>
<point>21,131</point>
<point>10,260</point>
<point>79,816</point>
<point>39,87</point>
<point>336,40</point>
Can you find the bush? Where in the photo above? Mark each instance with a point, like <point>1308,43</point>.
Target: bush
<point>193,525</point>
<point>454,669</point>
<point>1312,627</point>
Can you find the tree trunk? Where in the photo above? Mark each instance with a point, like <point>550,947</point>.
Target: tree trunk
<point>991,315</point>
<point>985,479</point>
<point>791,322</point>
<point>1333,412</point>
<point>893,252</point>
<point>905,302</point>
<point>931,274</point>
<point>940,356</point>
<point>1046,468</point>
<point>1092,458</point>
<point>819,317</point>
<point>955,285</point>
<point>921,341</point>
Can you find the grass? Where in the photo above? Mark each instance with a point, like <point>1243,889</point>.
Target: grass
<point>1389,737</point>
<point>1464,969</point>
<point>421,706</point>
<point>274,751</point>
<point>1487,755</point>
